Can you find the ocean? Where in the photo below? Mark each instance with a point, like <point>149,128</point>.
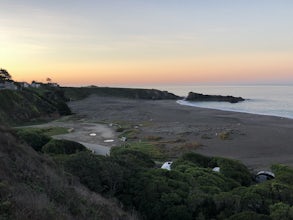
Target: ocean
<point>275,100</point>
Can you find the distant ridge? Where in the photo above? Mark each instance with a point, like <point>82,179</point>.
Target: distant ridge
<point>76,93</point>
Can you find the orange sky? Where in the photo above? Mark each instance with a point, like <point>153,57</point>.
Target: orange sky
<point>241,68</point>
<point>102,43</point>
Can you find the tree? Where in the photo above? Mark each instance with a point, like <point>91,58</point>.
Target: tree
<point>4,75</point>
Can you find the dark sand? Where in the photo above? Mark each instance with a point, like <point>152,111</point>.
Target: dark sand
<point>258,141</point>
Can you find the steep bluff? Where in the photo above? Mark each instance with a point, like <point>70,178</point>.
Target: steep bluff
<point>27,105</point>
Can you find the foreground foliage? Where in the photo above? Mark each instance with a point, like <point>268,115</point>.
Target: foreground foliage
<point>33,187</point>
<point>62,147</point>
<point>191,190</point>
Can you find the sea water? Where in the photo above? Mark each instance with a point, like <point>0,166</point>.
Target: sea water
<point>275,100</point>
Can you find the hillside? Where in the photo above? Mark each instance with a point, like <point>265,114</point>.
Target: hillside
<point>33,187</point>
<point>28,105</point>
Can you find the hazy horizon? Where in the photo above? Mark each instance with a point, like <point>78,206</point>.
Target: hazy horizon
<point>136,42</point>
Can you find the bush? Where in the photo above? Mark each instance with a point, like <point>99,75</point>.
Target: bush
<point>149,149</point>
<point>98,173</point>
<point>281,211</point>
<point>197,159</point>
<point>131,158</point>
<point>34,138</point>
<point>234,170</point>
<point>249,216</point>
<point>62,147</point>
<point>283,173</point>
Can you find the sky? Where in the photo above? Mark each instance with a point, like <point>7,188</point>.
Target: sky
<point>132,42</point>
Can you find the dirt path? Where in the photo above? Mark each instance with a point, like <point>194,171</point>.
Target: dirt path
<point>91,135</point>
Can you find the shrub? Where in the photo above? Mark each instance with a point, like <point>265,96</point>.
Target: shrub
<point>197,159</point>
<point>248,215</point>
<point>62,147</point>
<point>120,129</point>
<point>131,158</point>
<point>98,173</point>
<point>281,211</point>
<point>225,135</point>
<point>234,170</point>
<point>34,138</point>
<point>149,149</point>
<point>283,173</point>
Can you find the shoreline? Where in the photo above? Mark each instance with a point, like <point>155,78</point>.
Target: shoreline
<point>257,141</point>
<point>189,103</point>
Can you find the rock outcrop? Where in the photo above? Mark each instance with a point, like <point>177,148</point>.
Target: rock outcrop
<point>216,98</point>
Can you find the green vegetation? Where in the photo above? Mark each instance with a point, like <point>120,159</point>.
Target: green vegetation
<point>190,190</point>
<point>28,105</point>
<point>33,187</point>
<point>49,131</point>
<point>129,133</point>
<point>144,147</point>
<point>33,137</point>
<point>152,138</point>
<point>47,184</point>
<point>62,147</point>
<point>225,135</point>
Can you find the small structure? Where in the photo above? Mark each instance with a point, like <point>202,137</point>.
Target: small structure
<point>24,84</point>
<point>263,176</point>
<point>167,165</point>
<point>108,141</point>
<point>8,85</point>
<point>36,84</point>
<point>123,139</point>
<point>216,169</point>
<point>53,84</point>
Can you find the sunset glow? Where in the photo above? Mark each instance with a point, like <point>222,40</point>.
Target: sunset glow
<point>136,42</point>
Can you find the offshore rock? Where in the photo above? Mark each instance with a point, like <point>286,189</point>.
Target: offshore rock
<point>215,98</point>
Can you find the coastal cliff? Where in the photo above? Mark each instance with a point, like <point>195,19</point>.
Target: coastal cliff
<point>19,106</point>
<point>74,93</point>
<point>216,98</point>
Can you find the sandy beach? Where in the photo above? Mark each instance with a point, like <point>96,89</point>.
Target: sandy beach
<point>258,141</point>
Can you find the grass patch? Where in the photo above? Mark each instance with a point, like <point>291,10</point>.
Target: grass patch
<point>50,131</point>
<point>119,129</point>
<point>147,148</point>
<point>183,148</point>
<point>153,138</point>
<point>225,135</point>
<point>206,136</point>
<point>191,145</point>
<point>130,134</point>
